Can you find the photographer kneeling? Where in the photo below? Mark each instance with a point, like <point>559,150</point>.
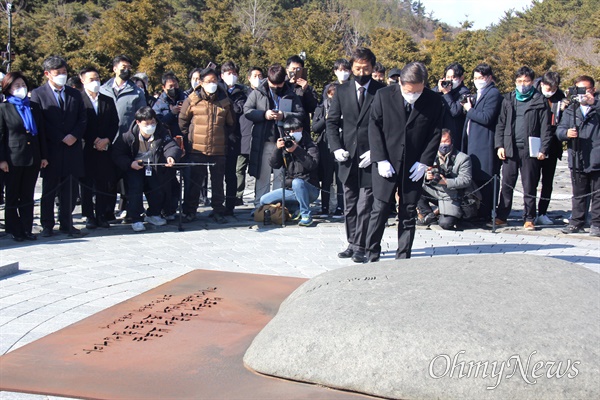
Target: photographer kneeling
<point>298,154</point>
<point>445,185</point>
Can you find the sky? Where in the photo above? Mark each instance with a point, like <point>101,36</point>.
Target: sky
<point>482,12</point>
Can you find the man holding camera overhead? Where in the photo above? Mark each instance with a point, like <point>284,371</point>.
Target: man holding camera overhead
<point>453,91</point>
<point>297,77</point>
<point>580,127</point>
<point>298,154</point>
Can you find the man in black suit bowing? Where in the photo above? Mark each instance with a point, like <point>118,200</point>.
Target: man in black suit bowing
<point>65,121</point>
<point>347,133</point>
<point>404,135</point>
<point>100,170</point>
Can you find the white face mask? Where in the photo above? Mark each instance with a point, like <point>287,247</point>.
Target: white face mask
<point>297,136</point>
<point>148,129</point>
<point>194,84</point>
<point>342,75</point>
<point>230,80</point>
<point>480,84</point>
<point>548,94</point>
<point>411,98</point>
<point>255,82</point>
<point>210,88</point>
<point>20,93</point>
<point>60,80</point>
<point>455,83</point>
<point>93,86</point>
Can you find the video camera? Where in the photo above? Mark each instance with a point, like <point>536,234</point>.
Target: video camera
<point>447,84</point>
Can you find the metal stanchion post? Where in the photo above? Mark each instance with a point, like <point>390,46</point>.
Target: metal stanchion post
<point>283,214</point>
<point>495,177</point>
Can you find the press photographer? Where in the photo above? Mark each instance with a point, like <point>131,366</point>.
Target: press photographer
<point>299,156</point>
<point>445,185</point>
<point>455,94</point>
<point>580,127</point>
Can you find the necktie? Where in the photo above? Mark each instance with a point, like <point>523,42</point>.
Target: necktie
<point>361,97</point>
<point>408,109</point>
<point>61,102</point>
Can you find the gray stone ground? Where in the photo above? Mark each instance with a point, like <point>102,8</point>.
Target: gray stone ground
<point>64,280</point>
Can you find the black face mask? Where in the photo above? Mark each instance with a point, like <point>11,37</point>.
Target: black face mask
<point>173,92</point>
<point>279,91</point>
<point>362,79</point>
<point>445,149</point>
<point>125,74</point>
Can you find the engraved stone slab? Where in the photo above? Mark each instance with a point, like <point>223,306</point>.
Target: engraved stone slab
<point>182,340</point>
<point>473,327</point>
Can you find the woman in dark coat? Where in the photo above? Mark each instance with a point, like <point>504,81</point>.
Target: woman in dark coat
<point>22,154</point>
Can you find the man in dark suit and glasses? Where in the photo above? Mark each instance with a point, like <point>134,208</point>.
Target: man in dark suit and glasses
<point>65,120</point>
<point>404,135</point>
<point>347,133</point>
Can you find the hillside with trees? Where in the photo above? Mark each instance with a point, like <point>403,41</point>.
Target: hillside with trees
<point>178,35</point>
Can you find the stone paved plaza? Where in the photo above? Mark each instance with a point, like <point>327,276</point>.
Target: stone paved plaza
<point>63,280</point>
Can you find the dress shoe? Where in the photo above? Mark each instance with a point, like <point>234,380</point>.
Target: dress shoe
<point>47,232</point>
<point>17,238</point>
<point>69,231</point>
<point>373,258</point>
<point>30,236</point>
<point>102,223</point>
<point>91,223</point>
<point>346,253</point>
<point>359,257</point>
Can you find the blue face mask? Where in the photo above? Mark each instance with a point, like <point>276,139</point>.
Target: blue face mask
<point>445,149</point>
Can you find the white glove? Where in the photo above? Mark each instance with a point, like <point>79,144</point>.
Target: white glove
<point>418,170</point>
<point>341,155</point>
<point>385,169</point>
<point>366,160</point>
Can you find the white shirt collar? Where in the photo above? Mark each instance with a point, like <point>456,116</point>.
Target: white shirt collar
<point>359,86</point>
<point>115,86</point>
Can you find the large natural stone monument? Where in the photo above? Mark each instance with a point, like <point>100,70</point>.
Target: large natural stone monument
<point>473,327</point>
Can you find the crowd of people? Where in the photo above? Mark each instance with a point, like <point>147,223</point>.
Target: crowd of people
<point>381,146</point>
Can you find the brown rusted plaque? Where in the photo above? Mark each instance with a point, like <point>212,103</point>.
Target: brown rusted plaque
<point>182,340</point>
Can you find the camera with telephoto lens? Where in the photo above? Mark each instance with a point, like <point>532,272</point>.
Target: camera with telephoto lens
<point>465,97</point>
<point>573,93</point>
<point>447,84</point>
